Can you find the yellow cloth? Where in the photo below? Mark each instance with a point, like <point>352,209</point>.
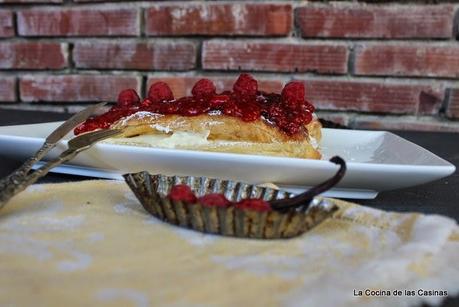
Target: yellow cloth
<point>91,243</point>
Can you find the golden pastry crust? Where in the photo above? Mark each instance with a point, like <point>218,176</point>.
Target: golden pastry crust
<point>303,150</point>
<point>226,134</point>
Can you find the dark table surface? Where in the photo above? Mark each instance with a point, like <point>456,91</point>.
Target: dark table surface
<point>439,197</point>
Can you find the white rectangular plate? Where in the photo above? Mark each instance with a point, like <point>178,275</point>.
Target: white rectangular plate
<point>376,161</point>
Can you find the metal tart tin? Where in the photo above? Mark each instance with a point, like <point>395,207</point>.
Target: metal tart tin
<point>152,191</point>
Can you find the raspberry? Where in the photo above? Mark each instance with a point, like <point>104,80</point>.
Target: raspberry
<point>307,118</point>
<point>182,192</point>
<point>153,107</point>
<point>291,128</point>
<point>274,111</point>
<point>88,125</point>
<point>218,101</point>
<point>231,108</point>
<point>280,121</point>
<point>189,110</point>
<point>250,112</point>
<point>103,124</point>
<point>293,94</point>
<point>111,116</point>
<point>214,199</point>
<point>146,103</point>
<point>308,106</point>
<point>128,97</point>
<point>298,119</point>
<point>256,204</point>
<point>245,86</point>
<point>169,107</point>
<point>204,88</point>
<point>91,125</point>
<point>190,107</point>
<point>159,92</point>
<point>79,129</point>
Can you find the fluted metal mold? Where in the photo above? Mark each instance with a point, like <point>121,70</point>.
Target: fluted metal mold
<point>151,191</point>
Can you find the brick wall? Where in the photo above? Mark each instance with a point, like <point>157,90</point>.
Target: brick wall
<point>389,65</point>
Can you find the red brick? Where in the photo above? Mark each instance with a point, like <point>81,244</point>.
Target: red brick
<point>6,24</point>
<point>269,56</point>
<point>75,88</point>
<point>376,21</point>
<point>407,60</point>
<point>402,123</point>
<point>182,85</point>
<point>453,106</point>
<point>219,19</point>
<point>378,97</point>
<point>28,55</point>
<point>131,55</point>
<point>7,91</point>
<point>430,101</point>
<point>78,22</point>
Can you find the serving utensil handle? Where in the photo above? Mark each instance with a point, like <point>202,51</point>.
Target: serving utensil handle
<point>27,165</point>
<point>15,178</point>
<point>20,179</point>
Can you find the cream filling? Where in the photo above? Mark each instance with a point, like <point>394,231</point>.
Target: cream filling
<point>177,139</point>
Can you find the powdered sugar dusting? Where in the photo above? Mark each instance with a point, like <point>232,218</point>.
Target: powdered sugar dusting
<point>137,116</point>
<point>137,298</point>
<point>45,219</point>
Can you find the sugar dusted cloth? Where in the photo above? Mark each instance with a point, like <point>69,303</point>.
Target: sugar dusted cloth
<point>91,243</point>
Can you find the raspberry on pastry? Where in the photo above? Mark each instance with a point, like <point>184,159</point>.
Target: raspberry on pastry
<point>244,120</point>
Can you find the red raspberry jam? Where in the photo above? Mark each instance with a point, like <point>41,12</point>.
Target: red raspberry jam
<point>214,200</point>
<point>182,192</point>
<point>254,204</point>
<point>288,111</point>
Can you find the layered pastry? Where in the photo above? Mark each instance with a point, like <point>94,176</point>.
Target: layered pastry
<point>244,120</point>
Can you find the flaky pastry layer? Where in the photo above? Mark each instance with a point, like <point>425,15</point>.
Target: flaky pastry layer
<point>223,134</point>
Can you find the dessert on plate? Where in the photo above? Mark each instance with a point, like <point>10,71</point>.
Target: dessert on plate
<point>244,120</point>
